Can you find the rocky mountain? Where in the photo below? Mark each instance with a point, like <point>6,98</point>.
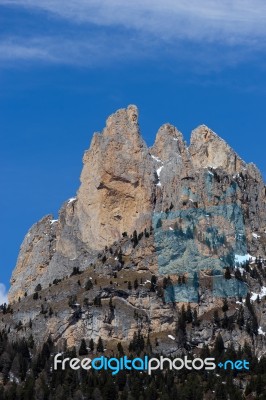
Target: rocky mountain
<point>150,230</point>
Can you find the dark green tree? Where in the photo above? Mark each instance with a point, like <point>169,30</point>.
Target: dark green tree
<point>83,351</point>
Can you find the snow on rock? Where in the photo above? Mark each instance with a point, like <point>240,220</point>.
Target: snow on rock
<point>71,200</point>
<point>260,331</point>
<point>240,259</point>
<point>158,173</point>
<point>52,221</point>
<point>171,229</point>
<point>255,235</point>
<point>171,337</point>
<point>261,294</point>
<point>159,170</point>
<point>157,159</point>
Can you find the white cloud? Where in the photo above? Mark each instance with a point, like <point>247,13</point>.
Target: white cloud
<point>75,51</point>
<point>235,21</point>
<point>95,31</point>
<point>3,294</point>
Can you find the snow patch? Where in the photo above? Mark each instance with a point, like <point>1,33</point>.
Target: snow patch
<point>71,200</point>
<point>244,258</point>
<point>13,378</point>
<point>260,331</point>
<point>159,171</point>
<point>255,235</point>
<point>261,294</point>
<point>171,337</point>
<point>156,158</point>
<point>52,221</point>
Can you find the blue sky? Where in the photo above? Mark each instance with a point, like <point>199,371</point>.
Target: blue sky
<point>65,66</point>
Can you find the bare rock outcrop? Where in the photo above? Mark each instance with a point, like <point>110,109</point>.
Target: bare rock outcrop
<point>117,182</point>
<point>208,150</point>
<point>35,255</point>
<point>124,184</point>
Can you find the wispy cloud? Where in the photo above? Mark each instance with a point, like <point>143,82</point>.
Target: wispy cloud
<point>75,51</point>
<point>3,294</point>
<point>146,26</point>
<point>222,20</point>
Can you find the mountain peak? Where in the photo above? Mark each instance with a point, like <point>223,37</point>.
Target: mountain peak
<point>123,183</point>
<point>123,121</point>
<point>169,142</point>
<point>207,149</point>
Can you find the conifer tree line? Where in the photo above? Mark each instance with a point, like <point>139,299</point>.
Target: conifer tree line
<point>27,374</point>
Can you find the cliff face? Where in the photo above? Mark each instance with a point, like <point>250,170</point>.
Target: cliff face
<point>117,182</point>
<point>124,184</point>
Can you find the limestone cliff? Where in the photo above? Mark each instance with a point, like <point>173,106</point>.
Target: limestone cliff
<point>117,182</point>
<point>124,183</point>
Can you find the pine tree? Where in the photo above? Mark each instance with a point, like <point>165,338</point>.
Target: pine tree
<point>195,321</point>
<point>216,318</point>
<point>238,275</point>
<point>100,347</point>
<point>120,349</point>
<point>91,345</point>
<point>225,305</point>
<point>227,273</point>
<point>97,301</point>
<point>89,285</point>
<point>219,345</point>
<point>165,282</point>
<point>38,288</point>
<point>240,317</point>
<point>135,238</point>
<point>35,296</point>
<point>83,348</point>
<point>189,316</point>
<point>153,283</point>
<point>136,284</point>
